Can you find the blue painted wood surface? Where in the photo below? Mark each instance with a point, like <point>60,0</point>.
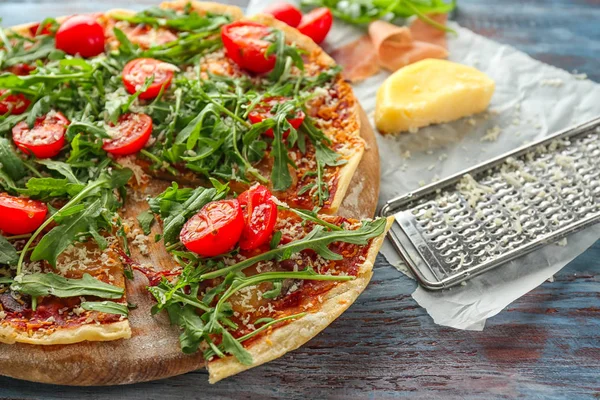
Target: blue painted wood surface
<point>544,345</point>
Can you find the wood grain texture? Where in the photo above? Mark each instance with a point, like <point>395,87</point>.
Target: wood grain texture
<point>153,351</point>
<point>545,345</point>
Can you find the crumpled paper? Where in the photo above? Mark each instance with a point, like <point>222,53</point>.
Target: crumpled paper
<point>532,100</point>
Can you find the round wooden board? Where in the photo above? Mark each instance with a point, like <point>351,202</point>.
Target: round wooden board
<point>153,351</point>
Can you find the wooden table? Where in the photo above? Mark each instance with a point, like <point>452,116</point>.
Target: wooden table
<point>546,344</point>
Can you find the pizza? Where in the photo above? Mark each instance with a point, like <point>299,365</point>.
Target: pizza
<point>236,138</point>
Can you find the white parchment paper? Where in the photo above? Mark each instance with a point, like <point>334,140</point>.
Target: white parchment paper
<point>532,100</point>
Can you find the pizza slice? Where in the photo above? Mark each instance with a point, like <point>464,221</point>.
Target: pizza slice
<point>82,299</point>
<point>254,278</point>
<point>61,280</point>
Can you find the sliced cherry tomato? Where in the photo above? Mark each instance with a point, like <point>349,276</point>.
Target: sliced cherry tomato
<point>245,45</point>
<point>132,134</point>
<point>137,71</point>
<point>285,12</point>
<point>13,103</point>
<point>260,216</point>
<point>262,111</point>
<point>215,229</point>
<point>80,34</point>
<point>316,24</point>
<point>20,215</point>
<point>45,139</point>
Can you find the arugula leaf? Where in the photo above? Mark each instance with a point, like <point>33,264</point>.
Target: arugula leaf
<point>286,57</point>
<point>40,284</point>
<point>125,45</point>
<point>192,325</point>
<point>59,238</point>
<point>47,188</point>
<point>39,108</point>
<point>8,254</point>
<point>146,219</point>
<point>62,168</point>
<point>11,164</point>
<point>232,346</point>
<point>108,307</point>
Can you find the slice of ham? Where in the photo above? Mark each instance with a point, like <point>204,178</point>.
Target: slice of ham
<point>391,47</point>
<point>396,46</point>
<point>424,32</point>
<point>358,59</point>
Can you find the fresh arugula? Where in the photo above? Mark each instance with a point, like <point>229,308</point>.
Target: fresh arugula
<point>8,253</point>
<point>40,284</point>
<point>365,11</point>
<point>108,307</point>
<point>92,207</point>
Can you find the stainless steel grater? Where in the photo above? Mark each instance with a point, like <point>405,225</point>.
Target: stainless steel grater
<point>477,219</point>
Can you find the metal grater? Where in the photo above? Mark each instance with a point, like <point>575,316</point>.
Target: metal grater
<point>477,219</point>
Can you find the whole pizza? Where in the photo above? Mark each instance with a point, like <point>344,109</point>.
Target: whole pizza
<point>225,144</point>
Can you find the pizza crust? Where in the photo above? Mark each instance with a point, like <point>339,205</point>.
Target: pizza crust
<point>92,333</point>
<point>296,333</point>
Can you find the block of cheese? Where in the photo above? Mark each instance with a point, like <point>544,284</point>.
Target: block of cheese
<point>429,92</point>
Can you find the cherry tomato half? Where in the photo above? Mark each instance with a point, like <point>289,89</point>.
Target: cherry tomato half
<point>285,12</point>
<point>316,24</point>
<point>260,216</point>
<point>245,45</point>
<point>45,139</point>
<point>80,34</point>
<point>132,133</point>
<point>20,215</point>
<point>215,229</point>
<point>13,103</point>
<point>137,71</point>
<point>262,111</point>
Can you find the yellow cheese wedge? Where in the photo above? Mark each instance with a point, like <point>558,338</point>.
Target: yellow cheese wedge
<point>429,92</point>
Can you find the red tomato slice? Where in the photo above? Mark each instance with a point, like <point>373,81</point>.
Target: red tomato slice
<point>260,216</point>
<point>262,111</point>
<point>19,215</point>
<point>13,103</point>
<point>45,139</point>
<point>245,45</point>
<point>137,71</point>
<point>80,34</point>
<point>316,24</point>
<point>285,12</point>
<point>215,229</point>
<point>132,134</point>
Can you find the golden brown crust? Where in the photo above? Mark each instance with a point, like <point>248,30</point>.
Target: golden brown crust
<point>92,333</point>
<point>294,334</point>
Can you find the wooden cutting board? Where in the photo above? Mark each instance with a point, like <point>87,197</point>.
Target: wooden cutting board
<point>153,351</point>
